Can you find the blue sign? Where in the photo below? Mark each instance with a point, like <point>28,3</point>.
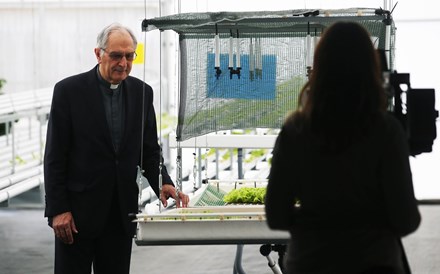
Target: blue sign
<point>258,84</point>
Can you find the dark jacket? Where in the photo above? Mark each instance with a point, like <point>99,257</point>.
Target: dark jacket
<point>355,204</point>
<point>82,171</point>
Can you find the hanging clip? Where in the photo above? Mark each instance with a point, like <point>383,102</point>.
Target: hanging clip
<point>233,71</point>
<point>308,51</point>
<point>258,59</point>
<point>251,60</point>
<point>218,71</point>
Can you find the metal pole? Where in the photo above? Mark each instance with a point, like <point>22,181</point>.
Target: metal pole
<point>7,131</point>
<point>231,158</point>
<point>41,119</point>
<point>217,167</point>
<point>199,171</point>
<point>13,148</point>
<point>179,166</point>
<point>238,269</point>
<point>388,45</point>
<point>240,163</point>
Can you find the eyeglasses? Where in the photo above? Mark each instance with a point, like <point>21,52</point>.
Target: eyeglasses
<point>117,56</point>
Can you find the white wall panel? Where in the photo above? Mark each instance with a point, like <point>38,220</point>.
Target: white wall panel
<point>45,41</point>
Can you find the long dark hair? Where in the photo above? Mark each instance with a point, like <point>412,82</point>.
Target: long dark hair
<point>344,94</point>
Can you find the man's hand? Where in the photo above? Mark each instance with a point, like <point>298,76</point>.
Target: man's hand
<point>64,227</point>
<point>182,199</point>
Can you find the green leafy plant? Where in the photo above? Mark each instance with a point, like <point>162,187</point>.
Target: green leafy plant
<point>255,154</point>
<point>246,195</point>
<point>18,160</point>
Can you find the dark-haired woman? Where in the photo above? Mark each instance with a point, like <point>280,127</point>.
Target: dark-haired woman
<point>345,160</point>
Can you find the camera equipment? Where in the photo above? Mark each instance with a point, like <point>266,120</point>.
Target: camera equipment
<point>415,109</point>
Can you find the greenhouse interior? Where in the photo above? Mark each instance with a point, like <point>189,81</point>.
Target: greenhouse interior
<point>225,75</point>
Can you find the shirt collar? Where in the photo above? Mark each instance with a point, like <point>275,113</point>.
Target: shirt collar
<point>106,83</point>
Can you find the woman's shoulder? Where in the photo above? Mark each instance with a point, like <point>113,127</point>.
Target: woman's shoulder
<point>295,127</point>
<point>295,121</point>
<point>389,122</point>
<point>387,130</point>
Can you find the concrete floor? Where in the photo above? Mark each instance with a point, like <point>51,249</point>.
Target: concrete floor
<point>26,246</point>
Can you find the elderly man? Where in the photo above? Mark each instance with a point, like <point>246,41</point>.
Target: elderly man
<point>99,122</point>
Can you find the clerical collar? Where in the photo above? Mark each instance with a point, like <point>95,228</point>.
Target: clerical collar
<point>106,83</point>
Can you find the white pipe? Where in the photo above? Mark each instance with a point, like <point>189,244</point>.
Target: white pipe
<point>199,170</point>
<point>217,50</point>
<point>388,44</point>
<point>26,150</point>
<point>18,177</point>
<point>308,51</point>
<point>19,188</point>
<point>233,181</point>
<point>226,141</point>
<point>6,182</point>
<point>388,5</point>
<point>231,52</point>
<point>13,149</point>
<point>251,56</point>
<point>315,41</point>
<point>238,55</point>
<point>273,265</point>
<point>258,56</point>
<point>42,121</point>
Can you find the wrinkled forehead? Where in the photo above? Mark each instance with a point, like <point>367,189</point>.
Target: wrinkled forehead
<point>120,41</point>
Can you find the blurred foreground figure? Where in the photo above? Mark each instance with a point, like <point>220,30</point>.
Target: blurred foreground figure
<point>340,180</point>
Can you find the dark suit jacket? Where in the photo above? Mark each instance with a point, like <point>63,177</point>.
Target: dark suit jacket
<point>81,167</point>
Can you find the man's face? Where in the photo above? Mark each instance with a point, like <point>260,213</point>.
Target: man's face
<point>116,60</point>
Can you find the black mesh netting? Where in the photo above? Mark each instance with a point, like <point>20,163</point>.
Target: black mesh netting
<point>268,53</point>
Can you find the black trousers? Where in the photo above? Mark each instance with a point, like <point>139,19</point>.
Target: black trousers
<point>109,253</point>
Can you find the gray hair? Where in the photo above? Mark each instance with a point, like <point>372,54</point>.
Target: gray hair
<point>102,39</point>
